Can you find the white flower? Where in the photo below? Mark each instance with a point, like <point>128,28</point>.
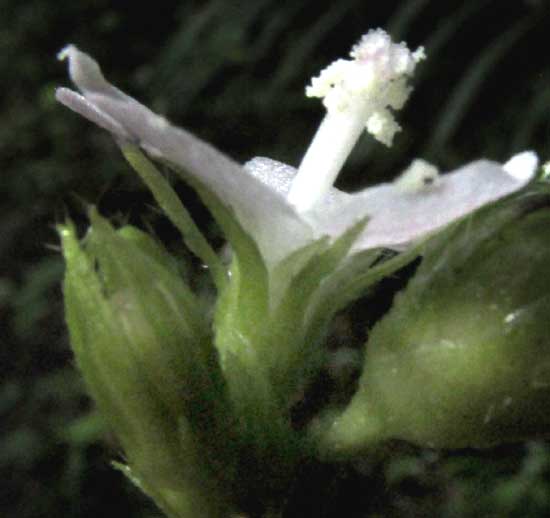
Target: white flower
<point>258,194</point>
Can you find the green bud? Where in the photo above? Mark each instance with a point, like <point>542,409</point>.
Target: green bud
<point>146,353</point>
<point>463,357</point>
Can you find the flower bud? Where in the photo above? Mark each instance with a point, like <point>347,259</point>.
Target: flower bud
<point>463,357</point>
<point>141,343</point>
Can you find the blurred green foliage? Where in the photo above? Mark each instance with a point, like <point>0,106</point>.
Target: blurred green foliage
<point>234,73</point>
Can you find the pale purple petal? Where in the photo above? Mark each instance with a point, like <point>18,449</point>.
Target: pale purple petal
<point>398,218</point>
<point>263,212</point>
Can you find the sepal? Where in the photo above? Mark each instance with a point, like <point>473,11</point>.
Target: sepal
<point>463,357</point>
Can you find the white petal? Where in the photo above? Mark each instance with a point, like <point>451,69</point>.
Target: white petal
<point>262,211</point>
<point>522,166</point>
<point>399,218</point>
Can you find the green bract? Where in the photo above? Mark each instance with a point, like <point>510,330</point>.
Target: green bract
<point>145,350</point>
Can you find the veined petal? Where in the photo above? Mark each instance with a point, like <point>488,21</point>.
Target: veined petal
<point>262,211</point>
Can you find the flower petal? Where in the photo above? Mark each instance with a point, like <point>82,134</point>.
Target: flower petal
<point>399,217</point>
<point>261,210</point>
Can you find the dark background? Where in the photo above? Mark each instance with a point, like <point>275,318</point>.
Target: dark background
<point>234,73</point>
